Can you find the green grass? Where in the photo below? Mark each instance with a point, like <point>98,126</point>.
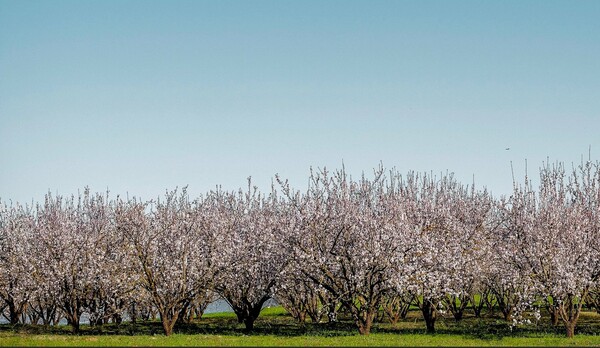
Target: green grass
<point>378,339</point>
<point>276,328</point>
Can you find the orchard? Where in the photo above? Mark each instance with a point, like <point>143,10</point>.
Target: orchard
<point>370,247</point>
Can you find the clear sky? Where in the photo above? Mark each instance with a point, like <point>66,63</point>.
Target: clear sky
<point>143,96</point>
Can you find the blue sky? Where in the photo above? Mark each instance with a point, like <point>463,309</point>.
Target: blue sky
<point>143,96</point>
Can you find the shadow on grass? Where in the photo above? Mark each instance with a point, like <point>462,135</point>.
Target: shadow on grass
<point>282,324</point>
<point>207,326</point>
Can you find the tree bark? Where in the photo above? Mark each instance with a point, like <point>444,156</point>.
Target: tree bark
<point>117,319</point>
<point>249,323</point>
<point>507,315</point>
<point>133,313</point>
<point>302,316</point>
<point>554,316</point>
<point>168,325</point>
<point>429,314</point>
<point>365,328</point>
<point>569,312</point>
<point>366,321</point>
<point>457,305</point>
<point>332,312</point>
<point>15,312</point>
<point>570,330</point>
<point>478,307</point>
<point>247,312</point>
<point>73,321</point>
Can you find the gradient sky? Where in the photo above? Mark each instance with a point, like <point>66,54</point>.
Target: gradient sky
<point>144,96</point>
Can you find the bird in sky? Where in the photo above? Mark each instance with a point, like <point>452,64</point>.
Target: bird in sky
<point>508,148</point>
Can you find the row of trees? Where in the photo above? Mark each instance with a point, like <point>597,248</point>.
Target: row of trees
<point>365,245</point>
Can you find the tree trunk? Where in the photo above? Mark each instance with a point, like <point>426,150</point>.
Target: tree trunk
<point>199,311</point>
<point>14,316</point>
<point>240,315</point>
<point>168,317</point>
<point>249,323</point>
<point>168,325</point>
<point>489,302</point>
<point>404,311</point>
<point>364,327</point>
<point>315,314</point>
<point>507,312</point>
<point>396,308</point>
<point>554,316</point>
<point>429,314</point>
<point>570,330</point>
<point>34,318</point>
<point>247,312</point>
<point>184,315</point>
<point>332,312</point>
<point>56,320</point>
<point>15,311</point>
<point>117,319</point>
<point>254,312</point>
<point>457,305</point>
<point>73,321</point>
<point>302,316</point>
<point>478,307</point>
<point>70,306</point>
<point>553,310</point>
<point>569,312</point>
<point>133,313</point>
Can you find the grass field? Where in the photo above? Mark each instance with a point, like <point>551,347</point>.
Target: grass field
<point>276,328</point>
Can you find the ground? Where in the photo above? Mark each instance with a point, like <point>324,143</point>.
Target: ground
<point>276,328</point>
